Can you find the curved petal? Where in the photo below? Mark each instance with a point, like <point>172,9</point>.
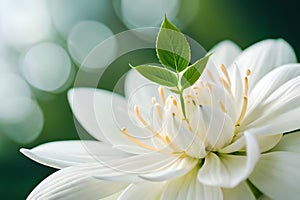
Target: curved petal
<point>68,153</point>
<point>267,86</point>
<point>289,142</point>
<point>177,169</point>
<point>74,183</point>
<point>280,112</point>
<point>144,190</point>
<point>81,101</point>
<point>242,191</point>
<point>229,170</point>
<point>109,113</point>
<point>265,143</point>
<point>225,52</point>
<point>264,56</point>
<point>188,187</point>
<point>277,175</point>
<point>154,167</point>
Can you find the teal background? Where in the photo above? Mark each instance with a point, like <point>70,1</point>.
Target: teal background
<point>244,22</point>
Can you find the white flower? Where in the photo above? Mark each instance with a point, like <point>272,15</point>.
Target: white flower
<point>232,135</point>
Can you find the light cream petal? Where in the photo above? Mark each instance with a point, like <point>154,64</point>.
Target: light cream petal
<point>188,187</point>
<point>277,175</point>
<point>229,170</point>
<point>143,190</point>
<point>74,183</point>
<point>69,153</point>
<point>242,191</point>
<point>264,56</point>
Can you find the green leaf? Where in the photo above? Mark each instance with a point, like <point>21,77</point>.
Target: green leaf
<point>172,48</point>
<point>158,75</point>
<point>193,73</point>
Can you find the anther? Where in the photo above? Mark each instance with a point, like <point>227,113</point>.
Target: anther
<point>225,72</point>
<point>137,142</point>
<point>162,95</point>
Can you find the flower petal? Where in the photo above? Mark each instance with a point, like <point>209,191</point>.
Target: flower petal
<point>74,183</point>
<point>267,86</point>
<point>242,191</point>
<point>143,190</point>
<point>264,56</point>
<point>68,153</point>
<point>82,103</point>
<point>177,169</point>
<point>154,167</point>
<point>111,115</point>
<point>277,175</point>
<point>225,52</point>
<point>229,170</point>
<point>289,142</point>
<point>188,187</point>
<point>265,143</point>
<point>280,112</point>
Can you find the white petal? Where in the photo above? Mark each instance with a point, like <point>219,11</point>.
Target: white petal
<point>82,103</point>
<point>265,143</point>
<point>219,127</point>
<point>280,112</point>
<point>155,166</point>
<point>225,52</point>
<point>229,170</point>
<point>111,115</point>
<point>74,183</point>
<point>277,175</point>
<point>267,86</point>
<point>289,142</point>
<point>177,169</point>
<point>143,190</point>
<point>188,187</point>
<point>242,191</point>
<point>68,153</point>
<point>264,56</point>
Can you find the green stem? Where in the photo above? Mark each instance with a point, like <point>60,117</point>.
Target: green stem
<point>182,104</point>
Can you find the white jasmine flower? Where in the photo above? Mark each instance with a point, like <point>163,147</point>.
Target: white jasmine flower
<point>231,136</point>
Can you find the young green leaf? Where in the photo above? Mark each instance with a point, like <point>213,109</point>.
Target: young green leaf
<point>193,73</point>
<point>158,75</point>
<point>172,48</point>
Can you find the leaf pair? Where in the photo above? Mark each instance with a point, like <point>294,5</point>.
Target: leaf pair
<point>174,54</point>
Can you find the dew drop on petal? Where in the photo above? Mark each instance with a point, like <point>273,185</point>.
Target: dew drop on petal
<point>91,45</point>
<point>46,66</point>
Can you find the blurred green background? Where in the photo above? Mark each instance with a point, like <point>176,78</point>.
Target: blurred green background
<point>208,22</point>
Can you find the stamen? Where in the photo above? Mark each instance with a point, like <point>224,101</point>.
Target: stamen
<point>210,75</point>
<point>174,102</point>
<point>159,113</point>
<point>227,87</point>
<point>244,109</point>
<point>162,95</point>
<point>137,142</point>
<point>153,100</point>
<point>248,72</point>
<point>222,107</point>
<point>138,114</point>
<point>245,101</point>
<point>225,72</point>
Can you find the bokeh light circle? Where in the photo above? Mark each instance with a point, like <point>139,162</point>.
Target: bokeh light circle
<point>46,66</point>
<point>21,118</point>
<point>87,35</point>
<point>23,23</point>
<point>145,13</point>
